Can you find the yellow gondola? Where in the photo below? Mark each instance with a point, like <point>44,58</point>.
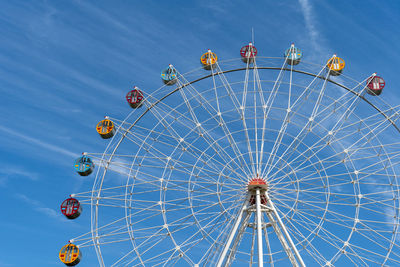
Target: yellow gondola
<point>70,255</point>
<point>335,65</point>
<point>106,128</point>
<point>208,59</point>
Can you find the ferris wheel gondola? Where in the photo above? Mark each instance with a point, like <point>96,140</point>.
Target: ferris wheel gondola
<point>375,85</point>
<point>169,75</point>
<point>84,165</point>
<point>335,65</point>
<point>208,60</point>
<point>135,98</point>
<point>105,128</point>
<point>71,208</point>
<point>70,255</point>
<point>293,55</point>
<point>248,53</point>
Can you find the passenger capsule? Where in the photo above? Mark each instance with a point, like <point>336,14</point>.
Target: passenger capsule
<point>135,98</point>
<point>169,75</point>
<point>106,128</point>
<point>248,53</point>
<point>335,65</point>
<point>208,60</point>
<point>84,165</point>
<point>293,55</point>
<point>375,85</point>
<point>71,208</point>
<point>70,255</point>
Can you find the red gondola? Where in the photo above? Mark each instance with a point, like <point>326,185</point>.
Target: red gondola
<point>248,53</point>
<point>71,208</point>
<point>135,98</point>
<point>375,85</point>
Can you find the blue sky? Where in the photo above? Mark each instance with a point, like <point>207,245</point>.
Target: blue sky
<point>64,65</point>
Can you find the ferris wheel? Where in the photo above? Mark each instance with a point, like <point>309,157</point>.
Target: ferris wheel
<point>258,161</point>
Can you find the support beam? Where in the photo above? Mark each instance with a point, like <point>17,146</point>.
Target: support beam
<point>238,238</point>
<point>285,232</point>
<point>259,203</point>
<point>231,235</point>
<point>259,229</point>
<point>282,239</point>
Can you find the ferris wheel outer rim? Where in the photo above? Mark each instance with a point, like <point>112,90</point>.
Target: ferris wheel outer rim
<point>219,73</point>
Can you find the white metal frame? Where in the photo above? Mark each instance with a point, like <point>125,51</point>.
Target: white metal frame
<point>217,165</point>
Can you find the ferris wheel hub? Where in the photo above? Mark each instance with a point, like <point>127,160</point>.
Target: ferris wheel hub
<point>257,183</point>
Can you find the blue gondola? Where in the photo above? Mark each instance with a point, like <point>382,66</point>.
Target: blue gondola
<point>169,75</point>
<point>293,55</point>
<point>84,165</point>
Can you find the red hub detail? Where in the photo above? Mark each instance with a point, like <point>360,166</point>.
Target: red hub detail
<point>257,183</point>
<point>253,200</point>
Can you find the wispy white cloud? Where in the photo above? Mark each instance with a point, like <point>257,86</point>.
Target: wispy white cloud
<point>311,25</point>
<point>48,211</point>
<point>3,264</point>
<point>306,9</point>
<point>11,172</point>
<point>40,207</point>
<point>38,142</point>
<point>106,17</point>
